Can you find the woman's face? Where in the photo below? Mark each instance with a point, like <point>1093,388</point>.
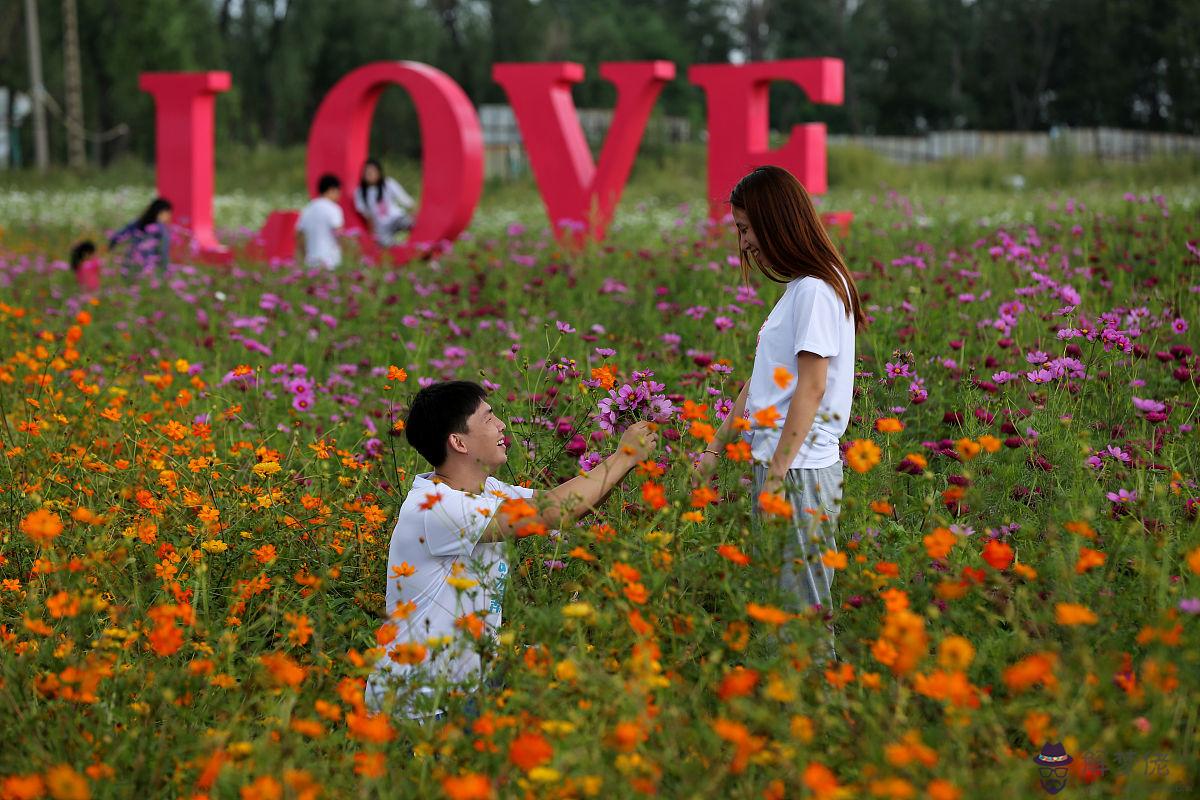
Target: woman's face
<point>747,241</point>
<point>164,217</point>
<point>371,174</point>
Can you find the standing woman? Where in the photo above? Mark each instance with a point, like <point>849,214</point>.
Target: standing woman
<point>383,203</point>
<point>799,393</point>
<point>149,236</point>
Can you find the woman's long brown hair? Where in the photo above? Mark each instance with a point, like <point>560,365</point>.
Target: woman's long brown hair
<point>792,239</point>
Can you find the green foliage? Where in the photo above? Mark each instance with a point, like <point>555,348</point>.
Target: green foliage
<point>911,65</point>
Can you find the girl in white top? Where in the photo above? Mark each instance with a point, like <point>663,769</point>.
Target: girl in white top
<point>383,203</point>
<point>798,397</point>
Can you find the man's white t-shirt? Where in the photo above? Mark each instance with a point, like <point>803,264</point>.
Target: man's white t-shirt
<point>809,317</point>
<point>438,528</point>
<point>318,221</point>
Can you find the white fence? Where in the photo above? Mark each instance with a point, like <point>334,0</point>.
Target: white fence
<point>504,155</point>
<point>1103,143</point>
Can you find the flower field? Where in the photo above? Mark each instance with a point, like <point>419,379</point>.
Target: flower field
<point>200,472</point>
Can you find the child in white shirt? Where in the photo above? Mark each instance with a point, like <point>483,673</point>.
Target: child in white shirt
<point>319,222</point>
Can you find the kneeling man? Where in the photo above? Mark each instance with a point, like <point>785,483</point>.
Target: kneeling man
<point>446,567</point>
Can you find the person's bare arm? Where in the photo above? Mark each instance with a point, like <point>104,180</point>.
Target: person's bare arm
<point>812,372</point>
<point>725,433</point>
<point>567,502</point>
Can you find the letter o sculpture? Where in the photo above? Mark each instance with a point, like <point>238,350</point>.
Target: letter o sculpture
<point>451,139</point>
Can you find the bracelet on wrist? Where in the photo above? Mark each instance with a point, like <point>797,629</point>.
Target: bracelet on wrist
<point>714,452</point>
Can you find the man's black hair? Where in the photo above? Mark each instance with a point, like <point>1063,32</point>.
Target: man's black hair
<point>438,411</point>
<point>81,252</point>
<point>328,181</point>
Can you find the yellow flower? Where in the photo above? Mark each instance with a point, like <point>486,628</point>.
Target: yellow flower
<point>462,584</point>
<point>577,610</point>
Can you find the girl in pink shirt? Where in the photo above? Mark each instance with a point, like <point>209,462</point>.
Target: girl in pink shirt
<point>86,266</point>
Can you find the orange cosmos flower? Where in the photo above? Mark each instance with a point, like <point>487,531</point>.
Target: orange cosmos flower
<point>370,727</point>
<point>1080,528</point>
<point>370,765</point>
<point>989,443</point>
<point>997,554</point>
<point>431,500</point>
<point>732,553</point>
<point>738,451</point>
<point>64,783</point>
<point>301,628</point>
<point>863,455</point>
<point>626,736</point>
<point>702,496</point>
<point>471,786</point>
<point>768,614</point>
<point>1033,669</point>
<point>471,624</point>
<point>882,507</point>
<point>782,377</point>
<point>284,671</point>
<point>408,653</point>
<point>821,781</point>
<point>767,417</point>
<point>42,526</point>
<point>517,508</point>
<point>23,787</point>
<point>939,543</point>
<point>694,411</point>
<point>1089,559</point>
<point>739,735</point>
<point>636,593</point>
<point>606,374</point>
<point>774,505</point>
<point>1074,614</point>
<point>530,749</point>
<point>841,677</point>
<point>738,682</point>
<point>834,559</point>
<point>889,425</point>
<point>967,448</point>
<point>654,495</point>
<point>955,653</point>
<point>702,430</point>
<point>397,374</point>
<point>624,573</point>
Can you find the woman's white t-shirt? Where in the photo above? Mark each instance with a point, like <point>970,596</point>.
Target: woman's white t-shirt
<point>810,317</point>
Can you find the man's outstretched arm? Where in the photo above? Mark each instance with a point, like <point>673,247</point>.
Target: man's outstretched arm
<point>569,501</point>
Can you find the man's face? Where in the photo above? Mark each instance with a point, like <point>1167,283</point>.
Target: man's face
<point>484,439</point>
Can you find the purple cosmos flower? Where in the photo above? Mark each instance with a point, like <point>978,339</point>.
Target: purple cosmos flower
<point>563,327</point>
<point>589,461</point>
<point>1122,497</point>
<point>1190,605</point>
<point>1149,406</point>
